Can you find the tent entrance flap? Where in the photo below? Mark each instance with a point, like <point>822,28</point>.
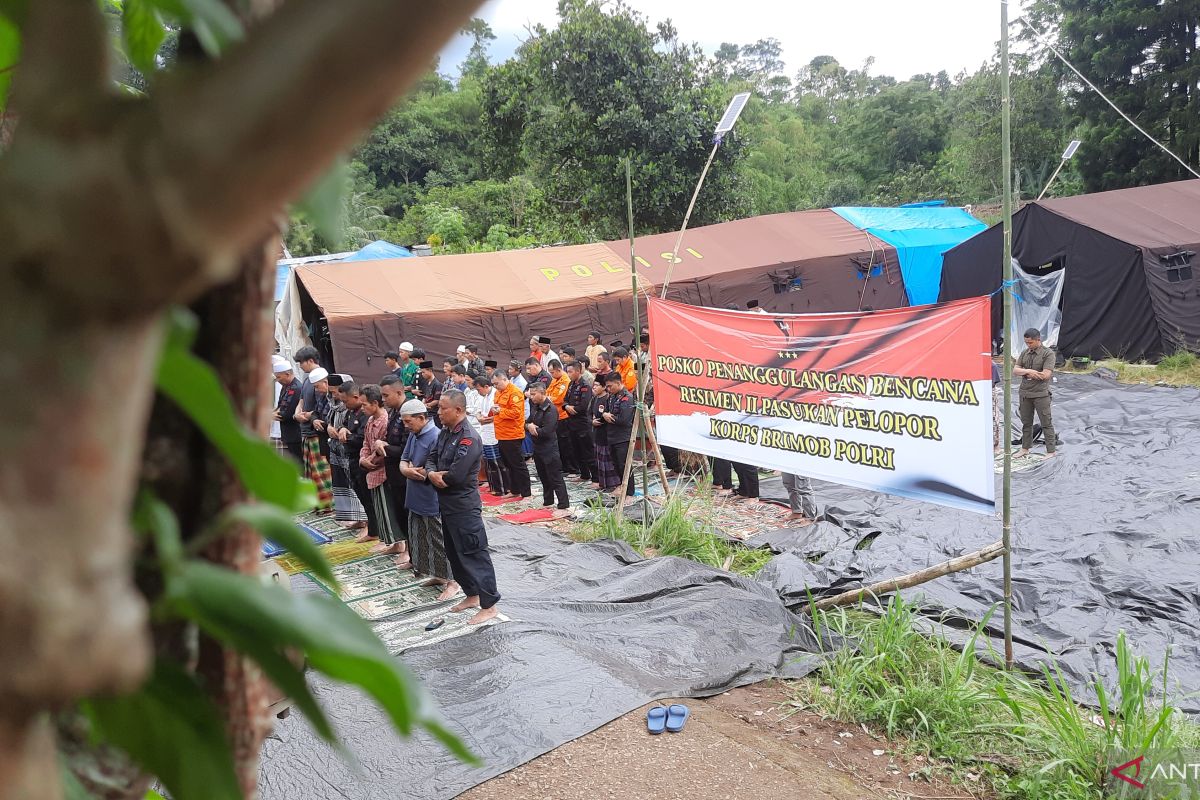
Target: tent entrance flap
<point>1037,304</point>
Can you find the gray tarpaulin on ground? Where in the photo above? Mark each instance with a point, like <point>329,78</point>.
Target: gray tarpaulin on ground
<point>596,631</point>
<point>1106,538</point>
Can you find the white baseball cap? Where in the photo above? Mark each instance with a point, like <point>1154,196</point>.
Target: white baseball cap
<point>406,346</point>
<point>317,375</point>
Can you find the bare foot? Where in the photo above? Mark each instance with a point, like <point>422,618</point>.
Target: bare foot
<point>365,537</point>
<point>467,602</point>
<point>382,549</point>
<point>449,591</point>
<point>1022,453</point>
<point>1051,455</point>
<point>483,616</point>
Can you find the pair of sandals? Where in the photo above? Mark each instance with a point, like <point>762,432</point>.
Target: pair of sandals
<point>671,718</point>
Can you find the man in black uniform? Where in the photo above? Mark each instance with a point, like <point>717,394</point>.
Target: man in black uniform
<point>578,405</point>
<point>1035,367</point>
<point>285,411</point>
<point>393,390</point>
<point>542,425</point>
<point>617,416</point>
<point>453,469</point>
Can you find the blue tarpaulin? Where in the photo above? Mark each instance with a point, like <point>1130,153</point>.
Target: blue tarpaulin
<point>920,233</point>
<point>372,252</point>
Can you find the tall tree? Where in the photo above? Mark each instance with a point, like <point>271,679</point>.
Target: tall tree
<point>1142,54</point>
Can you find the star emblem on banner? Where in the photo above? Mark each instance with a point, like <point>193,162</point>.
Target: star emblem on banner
<point>788,355</point>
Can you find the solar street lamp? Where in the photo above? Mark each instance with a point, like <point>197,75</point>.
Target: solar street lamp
<point>1066,156</point>
<point>728,120</point>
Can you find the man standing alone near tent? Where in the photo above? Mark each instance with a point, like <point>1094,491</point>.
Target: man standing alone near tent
<point>1035,367</point>
<point>452,467</point>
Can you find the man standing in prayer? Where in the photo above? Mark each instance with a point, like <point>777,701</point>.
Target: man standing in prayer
<point>475,364</point>
<point>578,423</point>
<point>1035,367</point>
<point>447,370</point>
<point>308,414</point>
<point>509,419</point>
<point>407,370</point>
<point>489,369</point>
<point>391,449</point>
<point>625,368</point>
<point>800,497</point>
<point>602,367</point>
<point>594,348</point>
<point>372,464</point>
<point>346,507</point>
<point>391,360</point>
<point>616,411</point>
<point>431,389</point>
<point>556,391</point>
<point>543,427</point>
<point>355,426</point>
<point>516,374</point>
<point>427,547</point>
<point>480,401</point>
<point>535,373</point>
<point>459,379</point>
<point>452,468</point>
<point>545,354</point>
<point>285,410</point>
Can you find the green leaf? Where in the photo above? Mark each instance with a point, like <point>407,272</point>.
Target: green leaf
<point>213,23</point>
<point>193,386</point>
<point>10,54</point>
<point>14,11</point>
<point>171,728</point>
<point>325,203</point>
<point>153,517</point>
<point>72,788</point>
<point>143,32</point>
<point>335,640</point>
<point>279,527</point>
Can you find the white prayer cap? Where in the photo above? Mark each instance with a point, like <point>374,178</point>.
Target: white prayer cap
<point>462,348</point>
<point>406,346</point>
<point>280,364</point>
<point>414,407</point>
<point>317,375</point>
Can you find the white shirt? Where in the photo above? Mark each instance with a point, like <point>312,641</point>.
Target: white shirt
<point>547,357</point>
<point>275,423</point>
<point>478,407</point>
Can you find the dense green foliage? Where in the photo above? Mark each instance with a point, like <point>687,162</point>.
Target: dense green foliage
<point>529,151</point>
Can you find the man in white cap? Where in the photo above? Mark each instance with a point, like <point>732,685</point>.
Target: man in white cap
<point>311,414</point>
<point>426,543</point>
<point>407,369</point>
<point>287,398</point>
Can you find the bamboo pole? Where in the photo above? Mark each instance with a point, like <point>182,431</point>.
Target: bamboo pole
<point>1006,293</point>
<point>989,553</point>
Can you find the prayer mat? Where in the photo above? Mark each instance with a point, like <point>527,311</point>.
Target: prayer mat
<point>379,583</point>
<point>529,515</point>
<point>335,553</point>
<point>326,524</point>
<point>354,570</point>
<point>400,601</point>
<point>409,631</point>
<point>271,549</point>
<point>490,500</point>
<point>309,517</point>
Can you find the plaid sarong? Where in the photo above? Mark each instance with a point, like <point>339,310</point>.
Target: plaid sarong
<point>316,469</point>
<point>427,546</point>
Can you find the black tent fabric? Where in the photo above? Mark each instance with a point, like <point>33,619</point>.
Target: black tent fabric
<point>596,632</point>
<point>1104,541</point>
<point>1121,295</point>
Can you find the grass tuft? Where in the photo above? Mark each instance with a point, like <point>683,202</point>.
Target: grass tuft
<point>684,527</point>
<point>1024,737</point>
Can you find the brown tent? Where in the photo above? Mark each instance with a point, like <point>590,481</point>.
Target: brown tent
<point>795,262</point>
<point>1126,257</point>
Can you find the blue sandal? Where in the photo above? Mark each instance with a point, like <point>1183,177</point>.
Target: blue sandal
<point>656,719</point>
<point>677,715</point>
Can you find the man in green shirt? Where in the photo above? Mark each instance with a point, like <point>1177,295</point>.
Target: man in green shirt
<point>407,369</point>
<point>1035,367</point>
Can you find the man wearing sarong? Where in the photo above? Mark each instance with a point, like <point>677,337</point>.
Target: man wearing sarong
<point>391,449</point>
<point>372,464</point>
<point>356,430</point>
<point>308,414</point>
<point>426,545</point>
<point>346,507</point>
<point>451,467</point>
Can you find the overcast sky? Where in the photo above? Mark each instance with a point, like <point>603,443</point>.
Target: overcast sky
<point>906,37</point>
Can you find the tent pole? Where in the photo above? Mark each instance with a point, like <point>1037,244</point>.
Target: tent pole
<point>641,414</point>
<point>1006,145</point>
<point>686,217</point>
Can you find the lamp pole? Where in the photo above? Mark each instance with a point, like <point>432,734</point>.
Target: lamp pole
<point>1006,146</point>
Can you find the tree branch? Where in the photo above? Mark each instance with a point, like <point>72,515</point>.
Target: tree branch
<point>64,61</point>
<point>253,131</point>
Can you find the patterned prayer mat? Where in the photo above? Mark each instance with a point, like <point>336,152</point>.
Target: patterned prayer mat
<point>400,601</point>
<point>409,632</point>
<point>379,583</point>
<point>354,570</point>
<point>1020,463</point>
<point>337,552</point>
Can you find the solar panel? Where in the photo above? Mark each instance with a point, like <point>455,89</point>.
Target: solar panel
<point>732,112</point>
<point>1071,148</point>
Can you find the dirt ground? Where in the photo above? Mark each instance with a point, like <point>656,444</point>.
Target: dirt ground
<point>746,743</point>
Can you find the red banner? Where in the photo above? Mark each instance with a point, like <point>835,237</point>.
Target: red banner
<point>898,401</point>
